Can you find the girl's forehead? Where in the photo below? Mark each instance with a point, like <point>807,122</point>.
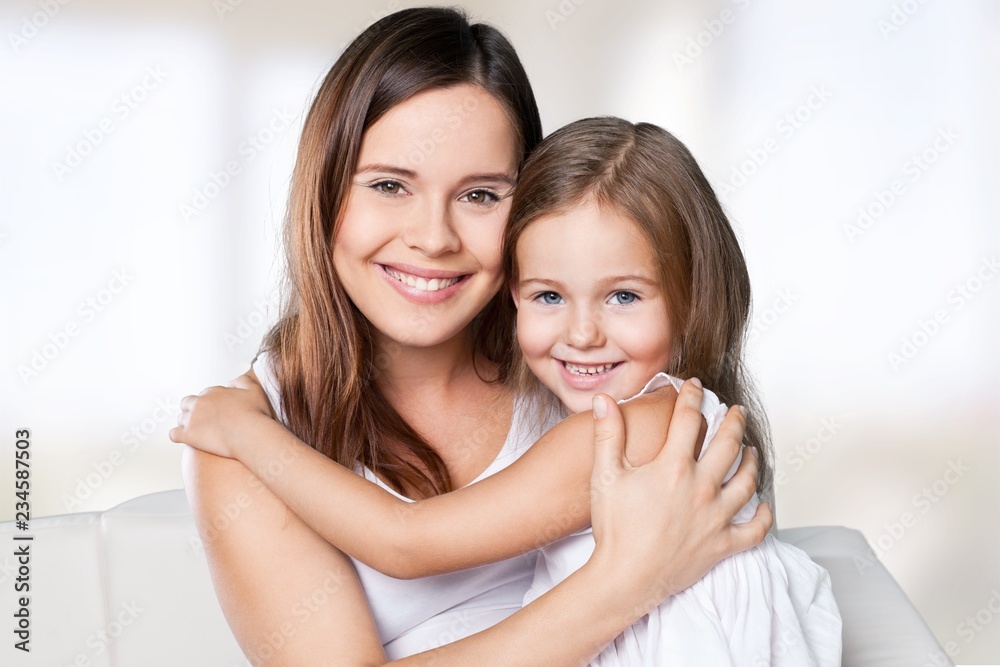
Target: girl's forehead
<point>586,242</point>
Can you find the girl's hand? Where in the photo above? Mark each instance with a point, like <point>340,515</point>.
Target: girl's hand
<point>662,526</point>
<point>212,420</point>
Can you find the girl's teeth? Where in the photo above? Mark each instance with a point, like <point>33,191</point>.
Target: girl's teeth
<point>588,370</point>
<point>422,284</point>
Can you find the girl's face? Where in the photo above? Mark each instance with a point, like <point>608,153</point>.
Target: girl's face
<point>591,314</point>
<point>418,249</point>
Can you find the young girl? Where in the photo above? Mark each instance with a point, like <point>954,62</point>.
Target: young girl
<point>622,265</point>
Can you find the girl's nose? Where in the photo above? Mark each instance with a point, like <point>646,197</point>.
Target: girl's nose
<point>431,231</point>
<point>584,332</point>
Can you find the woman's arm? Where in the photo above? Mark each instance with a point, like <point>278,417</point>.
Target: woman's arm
<point>541,497</point>
<point>291,599</point>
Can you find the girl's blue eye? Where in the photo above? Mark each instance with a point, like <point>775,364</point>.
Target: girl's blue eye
<point>624,298</point>
<point>550,298</point>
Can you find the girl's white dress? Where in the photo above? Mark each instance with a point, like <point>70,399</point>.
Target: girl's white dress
<point>770,605</point>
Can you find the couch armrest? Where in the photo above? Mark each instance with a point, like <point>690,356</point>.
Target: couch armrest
<point>881,625</point>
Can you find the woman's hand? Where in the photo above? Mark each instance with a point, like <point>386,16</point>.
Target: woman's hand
<point>662,526</point>
<point>211,421</point>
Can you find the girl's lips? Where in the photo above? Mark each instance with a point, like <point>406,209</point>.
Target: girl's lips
<point>426,288</point>
<point>589,381</point>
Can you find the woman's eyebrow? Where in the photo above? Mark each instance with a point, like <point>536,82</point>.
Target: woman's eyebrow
<point>499,177</point>
<point>388,169</point>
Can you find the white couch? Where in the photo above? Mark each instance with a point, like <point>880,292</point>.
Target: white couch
<point>129,587</point>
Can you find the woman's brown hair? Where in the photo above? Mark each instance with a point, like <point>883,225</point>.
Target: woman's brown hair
<point>322,346</point>
<point>647,175</point>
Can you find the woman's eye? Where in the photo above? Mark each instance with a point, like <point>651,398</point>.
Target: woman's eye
<point>624,298</point>
<point>387,187</point>
<point>549,298</point>
<point>482,197</point>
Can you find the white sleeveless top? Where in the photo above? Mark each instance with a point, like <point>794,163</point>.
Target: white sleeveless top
<point>420,614</point>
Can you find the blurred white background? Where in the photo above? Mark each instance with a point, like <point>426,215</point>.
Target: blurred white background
<point>146,151</point>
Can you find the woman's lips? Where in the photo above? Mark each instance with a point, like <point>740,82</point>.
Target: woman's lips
<point>423,286</point>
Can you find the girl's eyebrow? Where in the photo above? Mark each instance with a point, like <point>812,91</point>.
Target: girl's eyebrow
<point>610,280</point>
<point>543,281</point>
<point>629,278</point>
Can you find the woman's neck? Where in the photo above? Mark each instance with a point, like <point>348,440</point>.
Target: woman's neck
<point>403,371</point>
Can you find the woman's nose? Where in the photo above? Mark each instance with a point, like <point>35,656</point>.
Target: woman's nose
<point>431,230</point>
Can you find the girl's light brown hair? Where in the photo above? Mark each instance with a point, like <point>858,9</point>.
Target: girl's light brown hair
<point>645,174</point>
<point>322,346</point>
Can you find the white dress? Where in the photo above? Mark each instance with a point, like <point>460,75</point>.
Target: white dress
<point>769,605</point>
<point>415,615</point>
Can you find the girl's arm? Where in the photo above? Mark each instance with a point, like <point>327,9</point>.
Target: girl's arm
<point>293,600</point>
<point>541,497</point>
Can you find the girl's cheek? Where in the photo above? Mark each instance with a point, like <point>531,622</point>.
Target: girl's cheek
<point>532,333</point>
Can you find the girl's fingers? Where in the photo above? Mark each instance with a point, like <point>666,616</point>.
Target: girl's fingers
<point>175,434</point>
<point>724,447</point>
<point>187,403</point>
<point>609,436</point>
<point>685,425</point>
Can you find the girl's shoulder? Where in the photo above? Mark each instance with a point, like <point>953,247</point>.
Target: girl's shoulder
<point>710,403</point>
<point>264,368</point>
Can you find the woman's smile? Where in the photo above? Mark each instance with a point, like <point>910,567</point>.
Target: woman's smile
<point>423,286</point>
<point>418,246</point>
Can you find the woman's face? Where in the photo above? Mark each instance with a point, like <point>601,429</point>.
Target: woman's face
<point>418,249</point>
<point>591,314</point>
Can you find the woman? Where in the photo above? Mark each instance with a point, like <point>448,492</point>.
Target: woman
<point>399,197</point>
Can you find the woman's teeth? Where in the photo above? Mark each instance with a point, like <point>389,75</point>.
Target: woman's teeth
<point>422,284</point>
<point>588,370</point>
